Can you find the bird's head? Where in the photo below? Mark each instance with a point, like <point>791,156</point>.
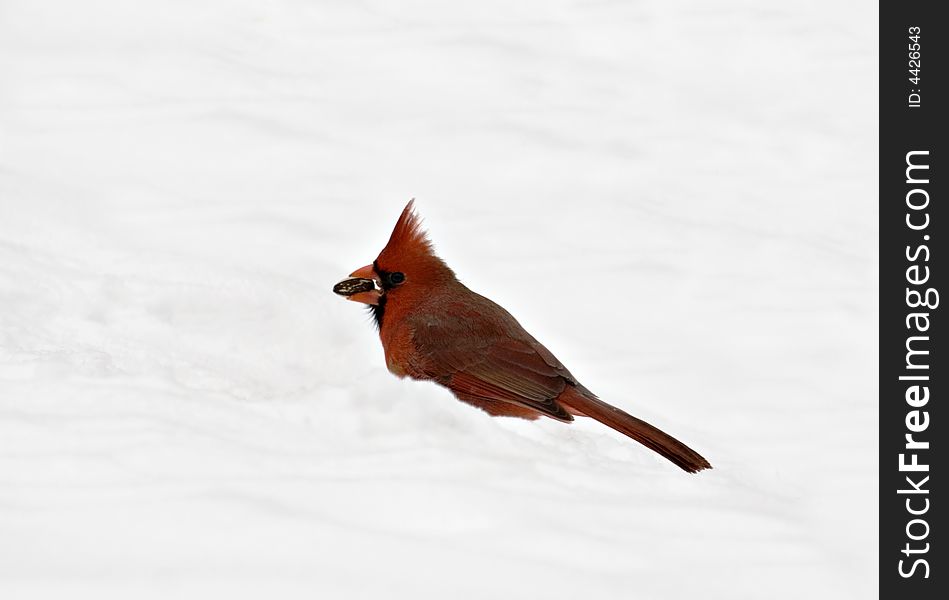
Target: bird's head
<point>405,272</point>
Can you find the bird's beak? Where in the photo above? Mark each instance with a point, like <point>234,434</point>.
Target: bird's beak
<point>366,272</point>
<point>353,290</point>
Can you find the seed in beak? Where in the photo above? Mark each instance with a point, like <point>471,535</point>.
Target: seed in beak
<point>354,285</point>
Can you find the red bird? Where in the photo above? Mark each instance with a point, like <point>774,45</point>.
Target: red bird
<point>434,328</point>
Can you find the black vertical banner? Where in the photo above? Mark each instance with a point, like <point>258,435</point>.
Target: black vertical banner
<point>914,165</point>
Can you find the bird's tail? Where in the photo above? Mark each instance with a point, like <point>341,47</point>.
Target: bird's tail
<point>684,457</point>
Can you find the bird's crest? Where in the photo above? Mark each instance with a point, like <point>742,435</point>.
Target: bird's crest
<point>409,247</point>
<point>408,238</point>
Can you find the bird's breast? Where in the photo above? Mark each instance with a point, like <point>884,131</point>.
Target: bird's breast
<point>395,367</point>
<point>399,350</point>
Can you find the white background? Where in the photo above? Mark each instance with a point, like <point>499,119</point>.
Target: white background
<point>678,199</point>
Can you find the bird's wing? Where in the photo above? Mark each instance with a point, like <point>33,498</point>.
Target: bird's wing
<point>479,350</point>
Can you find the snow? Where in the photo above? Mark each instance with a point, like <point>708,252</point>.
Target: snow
<point>678,199</point>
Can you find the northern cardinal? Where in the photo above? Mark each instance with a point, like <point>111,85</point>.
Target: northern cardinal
<point>434,328</point>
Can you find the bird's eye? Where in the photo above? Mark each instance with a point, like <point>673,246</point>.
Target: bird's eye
<point>396,278</point>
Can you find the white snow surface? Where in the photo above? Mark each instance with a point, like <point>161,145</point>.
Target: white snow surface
<point>678,199</point>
